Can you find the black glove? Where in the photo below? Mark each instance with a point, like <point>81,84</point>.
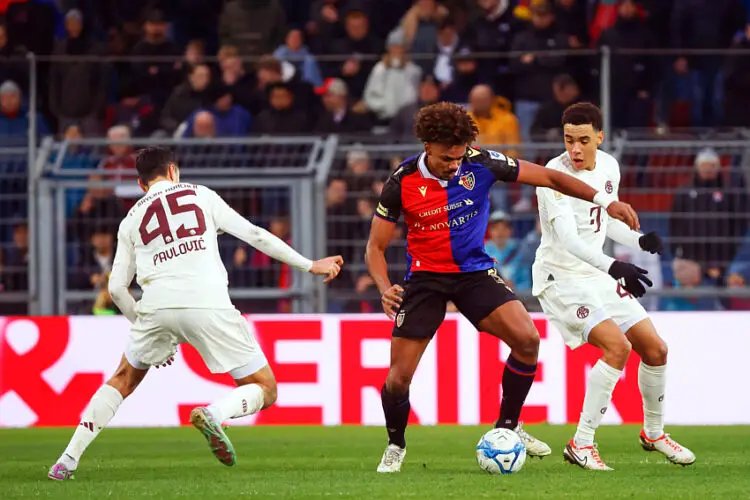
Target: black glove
<point>651,242</point>
<point>631,277</point>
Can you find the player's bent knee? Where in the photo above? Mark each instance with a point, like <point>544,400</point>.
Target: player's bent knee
<point>398,383</point>
<point>526,342</point>
<point>618,350</point>
<point>656,356</point>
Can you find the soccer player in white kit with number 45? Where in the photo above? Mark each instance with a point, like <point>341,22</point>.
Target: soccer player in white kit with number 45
<point>169,240</point>
<point>588,296</point>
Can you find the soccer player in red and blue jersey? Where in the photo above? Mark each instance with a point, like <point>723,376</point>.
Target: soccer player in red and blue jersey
<point>443,194</point>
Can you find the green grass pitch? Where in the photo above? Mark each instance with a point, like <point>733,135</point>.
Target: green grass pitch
<point>339,462</point>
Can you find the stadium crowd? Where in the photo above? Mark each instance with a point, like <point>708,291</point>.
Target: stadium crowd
<point>361,69</point>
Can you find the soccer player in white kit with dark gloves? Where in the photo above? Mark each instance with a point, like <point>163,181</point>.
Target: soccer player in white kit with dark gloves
<point>169,240</point>
<point>588,296</point>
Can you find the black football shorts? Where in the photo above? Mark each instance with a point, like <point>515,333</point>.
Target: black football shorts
<point>426,294</point>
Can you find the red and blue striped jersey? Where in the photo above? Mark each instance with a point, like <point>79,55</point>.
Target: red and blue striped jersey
<point>445,220</point>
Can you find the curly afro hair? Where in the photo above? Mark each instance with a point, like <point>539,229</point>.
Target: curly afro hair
<point>445,123</point>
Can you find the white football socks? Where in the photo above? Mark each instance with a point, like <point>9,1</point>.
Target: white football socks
<point>242,401</point>
<point>652,381</point>
<point>100,410</point>
<point>601,382</point>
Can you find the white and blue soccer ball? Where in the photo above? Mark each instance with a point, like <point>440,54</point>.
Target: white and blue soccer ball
<point>501,451</point>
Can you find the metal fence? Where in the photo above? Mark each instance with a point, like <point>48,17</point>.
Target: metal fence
<point>656,163</point>
<point>84,188</point>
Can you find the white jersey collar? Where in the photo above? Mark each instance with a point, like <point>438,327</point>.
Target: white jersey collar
<point>160,186</point>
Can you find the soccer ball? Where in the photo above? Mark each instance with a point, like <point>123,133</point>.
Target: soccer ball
<point>501,451</point>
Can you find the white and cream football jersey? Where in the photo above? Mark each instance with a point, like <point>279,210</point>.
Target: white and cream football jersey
<point>169,240</point>
<point>553,262</point>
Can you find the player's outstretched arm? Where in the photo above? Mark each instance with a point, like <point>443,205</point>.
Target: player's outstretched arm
<point>228,220</point>
<point>123,270</point>
<point>649,242</point>
<point>381,234</point>
<point>536,175</point>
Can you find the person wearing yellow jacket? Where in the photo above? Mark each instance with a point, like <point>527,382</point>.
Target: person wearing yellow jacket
<point>497,124</point>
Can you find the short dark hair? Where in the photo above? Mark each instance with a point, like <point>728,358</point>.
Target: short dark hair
<point>152,163</point>
<point>564,80</point>
<point>583,113</point>
<point>445,123</point>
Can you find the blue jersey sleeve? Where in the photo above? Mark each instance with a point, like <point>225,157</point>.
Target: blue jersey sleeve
<point>503,168</point>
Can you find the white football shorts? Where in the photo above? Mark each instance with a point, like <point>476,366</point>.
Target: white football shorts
<point>222,337</point>
<point>576,307</point>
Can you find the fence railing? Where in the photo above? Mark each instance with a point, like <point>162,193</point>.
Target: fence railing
<point>79,202</point>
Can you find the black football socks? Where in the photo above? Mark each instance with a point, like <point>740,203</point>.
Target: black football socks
<point>517,380</point>
<point>396,409</point>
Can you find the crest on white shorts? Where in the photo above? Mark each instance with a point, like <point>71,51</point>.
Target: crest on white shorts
<point>400,318</point>
<point>582,312</point>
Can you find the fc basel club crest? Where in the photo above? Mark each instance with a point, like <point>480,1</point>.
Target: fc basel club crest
<point>400,318</point>
<point>467,181</point>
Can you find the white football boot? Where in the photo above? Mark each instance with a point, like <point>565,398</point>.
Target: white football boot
<point>674,451</point>
<point>534,447</point>
<point>585,457</point>
<point>392,459</point>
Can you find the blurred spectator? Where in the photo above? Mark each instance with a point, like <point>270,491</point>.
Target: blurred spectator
<point>420,28</point>
<point>270,70</point>
<point>502,247</point>
<point>103,304</point>
<point>402,125</point>
<point>234,76</point>
<point>76,157</point>
<point>14,66</point>
<point>359,175</point>
<point>281,117</point>
<point>357,43</point>
<point>120,160</point>
<point>77,87</point>
<point>156,78</point>
<point>708,219</point>
<point>14,116</point>
<point>394,81</point>
<point>325,24</point>
<point>465,77</point>
<point>295,52</point>
<point>133,109</point>
<point>737,83</point>
<point>186,98</point>
<point>633,76</point>
<point>196,20</point>
<point>204,125</point>
<point>94,262</point>
<point>339,118</point>
<point>494,31</point>
<point>230,120</point>
<point>255,27</point>
<point>705,24</point>
<point>547,124</point>
<point>573,20</point>
<point>497,124</point>
<point>527,256</point>
<point>15,261</point>
<point>447,43</point>
<point>688,274</point>
<point>533,71</point>
<point>195,55</point>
